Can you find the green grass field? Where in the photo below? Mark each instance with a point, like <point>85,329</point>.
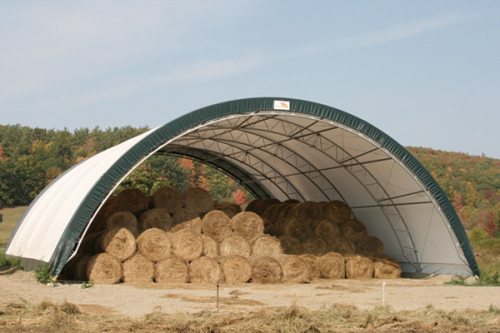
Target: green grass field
<point>10,218</point>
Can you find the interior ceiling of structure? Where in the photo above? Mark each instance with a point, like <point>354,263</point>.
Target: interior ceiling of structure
<point>296,156</point>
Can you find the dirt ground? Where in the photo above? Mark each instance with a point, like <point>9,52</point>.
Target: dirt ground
<point>140,299</point>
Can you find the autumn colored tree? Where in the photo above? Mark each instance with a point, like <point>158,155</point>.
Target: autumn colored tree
<point>239,197</point>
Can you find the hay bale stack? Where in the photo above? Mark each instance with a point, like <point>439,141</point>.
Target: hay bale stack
<point>312,261</point>
<point>171,270</point>
<point>138,269</point>
<point>235,245</point>
<point>294,269</point>
<point>315,245</point>
<point>248,224</point>
<point>132,200</point>
<point>187,244</point>
<point>193,225</point>
<point>104,268</point>
<point>123,219</point>
<point>236,269</point>
<point>265,270</point>
<point>154,244</point>
<point>353,230</point>
<point>229,208</point>
<point>309,211</point>
<point>272,213</point>
<point>291,245</point>
<point>198,199</point>
<point>80,267</point>
<point>386,268</point>
<point>327,230</point>
<point>205,270</point>
<point>358,267</point>
<point>217,225</point>
<point>109,207</point>
<point>371,247</point>
<point>337,211</point>
<point>90,244</point>
<point>342,245</point>
<point>155,218</point>
<point>184,215</point>
<point>262,205</point>
<point>298,228</point>
<point>168,198</point>
<point>119,242</point>
<point>266,245</point>
<point>251,205</point>
<point>331,266</point>
<point>210,247</point>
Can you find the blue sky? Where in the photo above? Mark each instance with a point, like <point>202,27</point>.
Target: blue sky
<point>425,72</point>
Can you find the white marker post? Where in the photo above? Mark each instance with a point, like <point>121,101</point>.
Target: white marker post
<point>383,293</point>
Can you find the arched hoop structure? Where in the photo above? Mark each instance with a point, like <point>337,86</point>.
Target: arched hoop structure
<point>276,147</point>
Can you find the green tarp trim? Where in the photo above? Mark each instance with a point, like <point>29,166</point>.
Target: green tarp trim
<point>83,214</point>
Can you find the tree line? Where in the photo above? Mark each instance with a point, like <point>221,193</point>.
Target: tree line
<point>30,158</point>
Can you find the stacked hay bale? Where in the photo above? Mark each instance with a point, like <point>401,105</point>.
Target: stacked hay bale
<point>180,238</point>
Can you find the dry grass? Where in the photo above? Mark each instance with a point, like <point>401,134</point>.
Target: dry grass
<point>10,218</point>
<point>65,317</point>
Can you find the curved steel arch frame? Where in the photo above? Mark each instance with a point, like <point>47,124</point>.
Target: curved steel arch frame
<point>199,118</point>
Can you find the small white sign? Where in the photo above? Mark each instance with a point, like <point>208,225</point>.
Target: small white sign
<point>282,105</point>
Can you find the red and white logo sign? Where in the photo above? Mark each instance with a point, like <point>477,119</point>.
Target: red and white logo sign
<point>282,105</point>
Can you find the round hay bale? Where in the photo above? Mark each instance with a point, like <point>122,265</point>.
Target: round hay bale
<point>342,245</point>
<point>291,201</point>
<point>309,211</point>
<point>217,225</point>
<point>386,268</point>
<point>90,244</point>
<point>109,207</point>
<point>291,245</point>
<point>229,208</point>
<point>337,211</point>
<point>265,270</point>
<point>155,218</point>
<point>168,198</point>
<point>370,246</point>
<point>312,262</point>
<point>262,205</point>
<point>331,266</point>
<point>205,270</point>
<point>187,244</point>
<point>154,244</point>
<point>327,230</point>
<point>358,267</point>
<point>298,228</point>
<point>184,215</point>
<point>248,224</point>
<point>198,199</point>
<point>138,269</point>
<point>294,269</point>
<point>269,229</point>
<point>123,219</point>
<point>235,245</point>
<point>315,245</point>
<point>266,245</point>
<point>132,200</point>
<point>236,269</point>
<point>272,213</point>
<point>80,268</point>
<point>251,205</point>
<point>104,268</point>
<point>353,230</point>
<point>171,270</point>
<point>210,247</point>
<point>286,212</point>
<point>119,242</point>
